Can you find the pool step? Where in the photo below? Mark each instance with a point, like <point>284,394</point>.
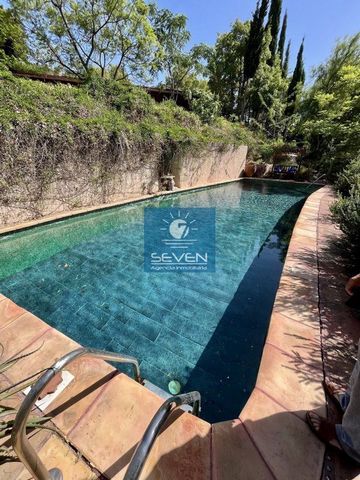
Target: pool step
<point>163,394</point>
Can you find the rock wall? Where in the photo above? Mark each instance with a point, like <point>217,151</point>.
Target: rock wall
<point>31,189</point>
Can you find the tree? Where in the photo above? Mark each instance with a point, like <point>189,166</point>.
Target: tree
<point>331,109</point>
<point>12,36</point>
<point>226,68</point>
<point>172,34</point>
<point>253,49</point>
<point>346,52</point>
<point>274,26</point>
<point>282,39</point>
<point>269,93</point>
<point>179,67</point>
<point>285,64</point>
<point>296,83</point>
<point>187,65</point>
<point>112,36</point>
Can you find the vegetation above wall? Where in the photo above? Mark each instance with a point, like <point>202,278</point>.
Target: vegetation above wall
<point>104,107</point>
<point>63,146</point>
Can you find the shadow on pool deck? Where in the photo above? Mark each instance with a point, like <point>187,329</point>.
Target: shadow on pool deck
<point>242,329</point>
<point>245,450</point>
<point>341,323</point>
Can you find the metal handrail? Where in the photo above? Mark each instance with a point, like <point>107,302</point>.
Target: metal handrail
<point>316,180</point>
<point>144,446</point>
<point>19,440</point>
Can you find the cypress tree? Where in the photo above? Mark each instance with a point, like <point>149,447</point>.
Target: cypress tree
<point>285,65</point>
<point>297,80</point>
<point>253,50</point>
<point>282,38</point>
<point>262,13</point>
<point>274,25</point>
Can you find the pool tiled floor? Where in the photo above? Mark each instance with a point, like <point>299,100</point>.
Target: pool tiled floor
<point>181,324</point>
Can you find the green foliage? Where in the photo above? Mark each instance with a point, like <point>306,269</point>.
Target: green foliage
<point>346,212</point>
<point>282,39</point>
<point>253,47</point>
<point>268,92</point>
<point>172,34</point>
<point>102,108</point>
<point>331,109</point>
<point>185,65</point>
<point>345,53</point>
<point>275,150</point>
<point>12,36</point>
<point>132,102</point>
<point>274,26</point>
<point>296,83</point>
<point>205,104</point>
<point>132,40</point>
<point>349,178</point>
<point>22,66</point>
<point>226,67</point>
<point>114,37</point>
<point>285,64</point>
<point>248,73</point>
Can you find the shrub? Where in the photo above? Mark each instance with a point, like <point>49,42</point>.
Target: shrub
<point>205,104</point>
<point>349,178</point>
<point>270,150</point>
<point>346,212</point>
<point>131,101</point>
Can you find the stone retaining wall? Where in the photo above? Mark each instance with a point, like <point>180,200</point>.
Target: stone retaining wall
<point>76,183</point>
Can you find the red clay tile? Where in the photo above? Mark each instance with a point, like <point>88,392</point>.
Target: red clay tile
<point>20,333</point>
<point>294,337</point>
<point>291,380</point>
<point>234,455</point>
<point>90,377</point>
<point>182,450</point>
<point>12,470</point>
<point>113,425</point>
<point>48,348</point>
<point>107,435</point>
<point>8,311</point>
<point>55,453</point>
<point>285,441</point>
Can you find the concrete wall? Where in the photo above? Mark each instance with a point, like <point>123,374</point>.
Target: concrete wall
<point>213,165</point>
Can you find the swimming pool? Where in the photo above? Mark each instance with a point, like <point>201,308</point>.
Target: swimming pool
<point>85,276</point>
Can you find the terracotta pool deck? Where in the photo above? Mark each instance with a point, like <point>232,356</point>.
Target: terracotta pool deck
<point>102,414</point>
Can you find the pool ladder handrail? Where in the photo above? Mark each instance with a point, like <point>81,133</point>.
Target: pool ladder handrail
<point>151,433</point>
<point>316,180</point>
<point>24,450</point>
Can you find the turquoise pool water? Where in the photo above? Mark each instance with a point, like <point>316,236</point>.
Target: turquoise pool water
<point>85,276</point>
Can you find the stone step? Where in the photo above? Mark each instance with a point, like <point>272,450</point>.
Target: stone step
<point>108,433</point>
